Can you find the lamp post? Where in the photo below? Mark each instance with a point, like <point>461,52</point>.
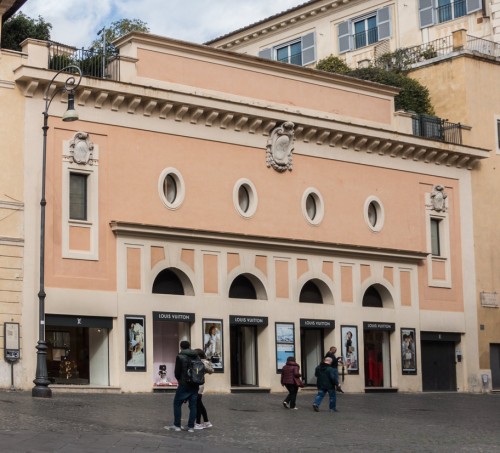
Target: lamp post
<point>41,388</point>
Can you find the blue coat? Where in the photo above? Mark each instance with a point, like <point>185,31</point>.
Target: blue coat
<point>326,377</point>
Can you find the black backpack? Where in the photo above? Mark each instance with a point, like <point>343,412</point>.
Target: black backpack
<point>195,372</point>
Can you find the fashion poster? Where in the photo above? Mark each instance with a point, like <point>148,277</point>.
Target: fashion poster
<point>212,343</point>
<point>408,351</point>
<point>350,348</point>
<point>285,343</point>
<point>135,343</point>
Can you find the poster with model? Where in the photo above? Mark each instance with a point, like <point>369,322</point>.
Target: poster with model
<point>135,343</point>
<point>408,351</point>
<point>285,343</point>
<point>350,348</point>
<point>212,343</point>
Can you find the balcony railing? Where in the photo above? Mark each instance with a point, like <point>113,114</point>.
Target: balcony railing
<point>91,63</point>
<point>437,129</point>
<point>366,37</point>
<point>483,46</point>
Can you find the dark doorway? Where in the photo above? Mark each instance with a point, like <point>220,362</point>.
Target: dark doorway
<point>438,366</point>
<point>495,365</point>
<point>243,344</point>
<point>312,353</point>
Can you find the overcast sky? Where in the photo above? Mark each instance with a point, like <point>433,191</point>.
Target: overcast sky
<point>76,22</point>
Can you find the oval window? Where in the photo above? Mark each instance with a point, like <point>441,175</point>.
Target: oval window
<point>245,198</point>
<point>313,206</point>
<point>171,188</point>
<point>374,214</point>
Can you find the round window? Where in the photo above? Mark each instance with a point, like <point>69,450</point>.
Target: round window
<point>245,198</point>
<point>312,206</point>
<point>171,188</point>
<point>374,214</point>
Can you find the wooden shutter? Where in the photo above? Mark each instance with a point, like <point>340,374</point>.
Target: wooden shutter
<point>266,53</point>
<point>345,36</point>
<point>384,23</point>
<point>426,13</point>
<point>308,49</point>
<point>473,5</point>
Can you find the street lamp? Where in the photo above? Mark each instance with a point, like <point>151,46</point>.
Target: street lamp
<point>41,388</point>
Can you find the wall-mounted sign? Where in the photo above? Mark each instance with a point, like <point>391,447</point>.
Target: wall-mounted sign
<point>173,317</point>
<point>489,299</point>
<point>248,320</point>
<point>318,323</point>
<point>11,335</point>
<point>386,326</point>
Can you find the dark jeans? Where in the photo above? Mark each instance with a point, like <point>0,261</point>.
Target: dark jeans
<point>291,398</point>
<point>182,394</point>
<point>321,394</point>
<point>200,410</point>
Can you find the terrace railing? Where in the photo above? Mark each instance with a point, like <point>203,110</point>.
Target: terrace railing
<point>92,63</point>
<point>437,129</point>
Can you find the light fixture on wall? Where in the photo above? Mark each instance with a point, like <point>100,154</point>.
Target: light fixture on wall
<point>41,381</point>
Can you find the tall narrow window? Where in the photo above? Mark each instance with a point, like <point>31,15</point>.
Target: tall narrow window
<point>78,196</point>
<point>365,32</point>
<point>435,237</point>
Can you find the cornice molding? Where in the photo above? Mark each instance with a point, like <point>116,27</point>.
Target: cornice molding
<point>244,115</point>
<point>126,229</point>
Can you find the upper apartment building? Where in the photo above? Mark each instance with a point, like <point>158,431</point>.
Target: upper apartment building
<point>453,48</point>
<point>360,30</point>
<point>11,206</point>
<point>258,209</point>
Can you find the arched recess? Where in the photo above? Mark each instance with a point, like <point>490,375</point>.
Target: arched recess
<point>247,286</point>
<point>315,291</point>
<point>377,296</point>
<point>172,281</point>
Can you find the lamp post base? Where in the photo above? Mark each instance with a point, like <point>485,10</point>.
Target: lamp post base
<point>41,388</point>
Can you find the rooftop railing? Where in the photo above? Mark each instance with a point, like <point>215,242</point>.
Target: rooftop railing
<point>92,63</point>
<point>437,129</point>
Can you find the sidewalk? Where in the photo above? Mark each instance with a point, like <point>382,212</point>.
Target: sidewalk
<point>430,422</point>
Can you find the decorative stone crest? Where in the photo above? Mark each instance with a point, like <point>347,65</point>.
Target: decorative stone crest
<point>438,198</point>
<point>280,147</point>
<point>81,149</point>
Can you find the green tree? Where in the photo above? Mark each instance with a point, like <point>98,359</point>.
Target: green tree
<point>19,27</point>
<point>117,29</point>
<point>413,97</point>
<point>333,64</point>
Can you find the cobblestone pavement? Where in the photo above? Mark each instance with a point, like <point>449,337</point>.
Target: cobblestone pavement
<point>393,422</point>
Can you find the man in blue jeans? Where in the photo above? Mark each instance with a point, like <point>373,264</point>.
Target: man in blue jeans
<point>326,381</point>
<point>185,391</point>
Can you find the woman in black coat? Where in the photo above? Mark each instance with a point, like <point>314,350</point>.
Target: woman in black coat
<point>290,378</point>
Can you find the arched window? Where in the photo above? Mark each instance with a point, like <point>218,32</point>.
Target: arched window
<point>167,282</point>
<point>372,298</point>
<point>242,288</point>
<point>310,293</point>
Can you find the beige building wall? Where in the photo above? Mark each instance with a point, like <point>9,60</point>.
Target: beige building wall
<point>11,208</point>
<point>476,102</point>
<point>212,138</point>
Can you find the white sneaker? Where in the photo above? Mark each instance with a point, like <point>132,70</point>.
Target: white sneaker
<point>172,428</point>
<point>295,408</point>
<point>199,426</point>
<point>207,425</point>
<point>189,430</point>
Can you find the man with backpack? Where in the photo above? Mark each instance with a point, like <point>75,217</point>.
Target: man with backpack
<point>189,375</point>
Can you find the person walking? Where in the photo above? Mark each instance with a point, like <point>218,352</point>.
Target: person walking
<point>326,382</point>
<point>186,391</point>
<point>335,365</point>
<point>201,411</point>
<point>290,374</point>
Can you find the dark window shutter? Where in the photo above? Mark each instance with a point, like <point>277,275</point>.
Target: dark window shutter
<point>266,53</point>
<point>308,49</point>
<point>473,5</point>
<point>384,23</point>
<point>345,36</point>
<point>426,13</point>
